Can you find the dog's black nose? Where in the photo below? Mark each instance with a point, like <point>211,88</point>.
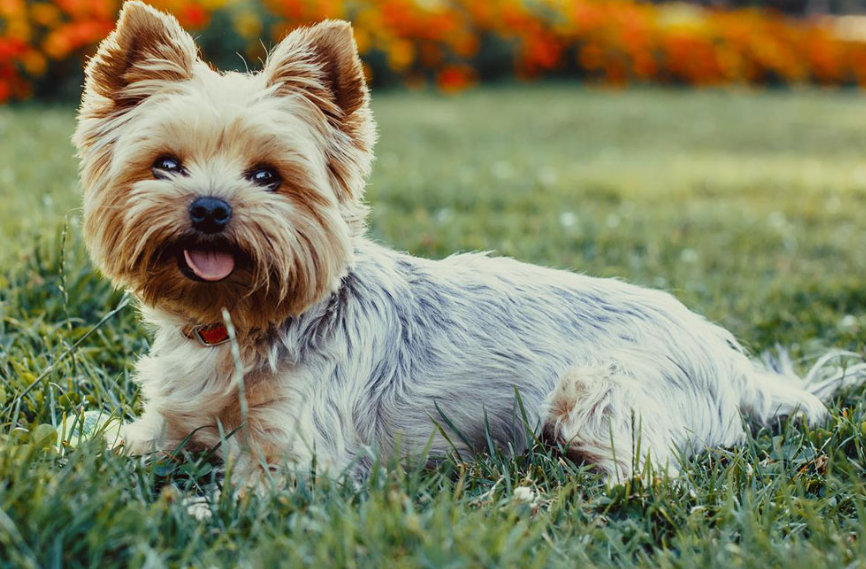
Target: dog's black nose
<point>210,215</point>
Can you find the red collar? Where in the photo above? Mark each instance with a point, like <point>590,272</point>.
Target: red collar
<point>208,335</point>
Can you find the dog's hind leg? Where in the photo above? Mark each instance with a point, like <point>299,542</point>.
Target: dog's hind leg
<point>600,416</point>
<point>769,395</point>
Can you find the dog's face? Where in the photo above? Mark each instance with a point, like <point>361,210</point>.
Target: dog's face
<point>205,191</point>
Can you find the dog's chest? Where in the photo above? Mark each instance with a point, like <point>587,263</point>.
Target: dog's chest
<point>204,391</point>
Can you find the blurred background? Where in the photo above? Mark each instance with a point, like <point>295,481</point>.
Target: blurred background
<point>454,44</point>
<point>714,149</point>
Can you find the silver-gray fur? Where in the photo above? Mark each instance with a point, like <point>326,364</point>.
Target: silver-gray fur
<point>405,343</point>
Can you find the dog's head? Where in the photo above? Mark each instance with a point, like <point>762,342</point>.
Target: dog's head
<point>205,190</point>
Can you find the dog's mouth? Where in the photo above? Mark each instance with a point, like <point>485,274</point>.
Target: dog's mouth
<point>209,262</point>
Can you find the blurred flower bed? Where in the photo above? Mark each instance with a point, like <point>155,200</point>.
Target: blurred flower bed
<point>456,43</point>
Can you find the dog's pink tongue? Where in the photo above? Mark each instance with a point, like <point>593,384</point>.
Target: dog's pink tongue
<point>209,265</point>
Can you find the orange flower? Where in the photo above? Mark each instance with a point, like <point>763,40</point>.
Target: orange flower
<point>401,53</point>
<point>453,78</point>
<point>44,14</point>
<point>34,63</point>
<point>455,41</point>
<point>193,16</point>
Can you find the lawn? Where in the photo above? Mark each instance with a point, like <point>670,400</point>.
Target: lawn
<point>749,206</point>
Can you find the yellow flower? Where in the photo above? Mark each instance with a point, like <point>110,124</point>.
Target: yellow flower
<point>247,24</point>
<point>55,46</point>
<point>401,53</point>
<point>12,8</point>
<point>44,14</point>
<point>681,16</point>
<point>34,63</point>
<point>18,29</point>
<point>212,5</point>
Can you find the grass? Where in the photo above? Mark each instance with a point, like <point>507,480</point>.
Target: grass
<point>748,206</point>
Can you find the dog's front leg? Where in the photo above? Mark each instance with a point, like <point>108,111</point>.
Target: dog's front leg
<point>145,434</point>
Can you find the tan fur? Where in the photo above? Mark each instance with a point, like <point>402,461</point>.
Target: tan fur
<point>589,414</point>
<point>579,416</point>
<point>251,419</point>
<point>148,94</point>
<point>147,50</point>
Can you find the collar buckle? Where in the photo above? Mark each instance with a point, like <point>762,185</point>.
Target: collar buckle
<point>210,335</point>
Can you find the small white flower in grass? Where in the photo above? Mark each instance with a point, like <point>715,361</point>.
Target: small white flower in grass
<point>547,176</point>
<point>848,322</point>
<point>503,170</point>
<point>689,256</point>
<point>442,215</point>
<point>524,494</point>
<point>567,219</point>
<point>777,220</point>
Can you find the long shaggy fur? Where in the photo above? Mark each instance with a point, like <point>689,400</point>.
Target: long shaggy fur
<point>346,347</point>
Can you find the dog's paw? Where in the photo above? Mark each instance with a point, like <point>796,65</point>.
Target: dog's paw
<point>201,507</point>
<point>135,441</point>
<point>813,411</point>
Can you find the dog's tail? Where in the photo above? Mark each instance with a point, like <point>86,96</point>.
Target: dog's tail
<point>775,389</point>
<point>833,371</point>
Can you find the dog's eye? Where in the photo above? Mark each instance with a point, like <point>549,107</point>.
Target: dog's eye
<point>264,176</point>
<point>165,165</point>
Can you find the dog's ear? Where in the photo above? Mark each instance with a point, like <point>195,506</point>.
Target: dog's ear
<point>147,49</point>
<point>322,63</point>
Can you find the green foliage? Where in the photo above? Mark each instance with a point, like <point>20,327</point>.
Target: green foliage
<point>748,206</point>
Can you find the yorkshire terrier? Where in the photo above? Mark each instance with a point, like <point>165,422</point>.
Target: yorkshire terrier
<point>232,206</point>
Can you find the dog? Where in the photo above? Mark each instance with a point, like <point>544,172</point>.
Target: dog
<point>232,206</point>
